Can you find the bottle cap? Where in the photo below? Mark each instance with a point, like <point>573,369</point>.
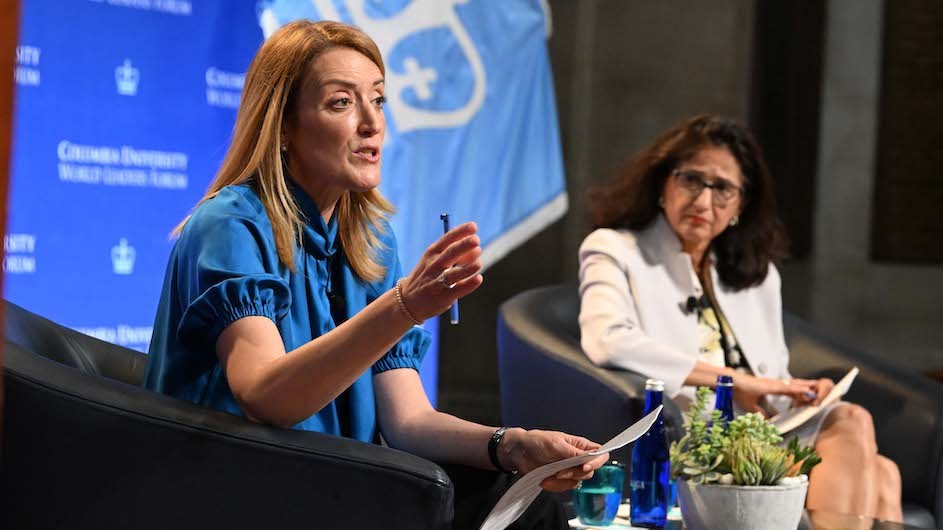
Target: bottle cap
<point>655,384</point>
<point>724,380</point>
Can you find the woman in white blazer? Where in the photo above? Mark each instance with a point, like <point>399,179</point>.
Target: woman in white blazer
<point>678,282</point>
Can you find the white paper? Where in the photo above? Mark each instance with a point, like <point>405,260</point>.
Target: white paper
<point>792,418</point>
<point>520,495</point>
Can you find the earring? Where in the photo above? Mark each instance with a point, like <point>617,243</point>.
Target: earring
<point>284,148</point>
<point>661,202</point>
<point>735,220</point>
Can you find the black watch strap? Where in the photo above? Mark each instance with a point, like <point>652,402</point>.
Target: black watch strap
<point>493,449</point>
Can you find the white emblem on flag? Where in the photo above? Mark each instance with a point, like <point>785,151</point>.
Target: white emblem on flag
<point>419,16</point>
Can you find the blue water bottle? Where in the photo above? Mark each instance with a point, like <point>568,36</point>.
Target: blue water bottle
<point>724,402</point>
<point>648,488</point>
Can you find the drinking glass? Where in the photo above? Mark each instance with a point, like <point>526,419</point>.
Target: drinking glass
<point>597,500</point>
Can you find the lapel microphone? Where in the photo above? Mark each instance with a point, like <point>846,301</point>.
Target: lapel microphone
<point>692,304</point>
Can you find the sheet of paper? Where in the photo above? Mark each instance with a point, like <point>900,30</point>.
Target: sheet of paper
<point>793,418</point>
<point>519,496</point>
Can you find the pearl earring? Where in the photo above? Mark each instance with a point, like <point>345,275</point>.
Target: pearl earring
<point>735,220</point>
<point>284,148</point>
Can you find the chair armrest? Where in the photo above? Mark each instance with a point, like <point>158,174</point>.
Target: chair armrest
<point>907,407</point>
<point>69,347</point>
<point>100,451</point>
<point>548,383</point>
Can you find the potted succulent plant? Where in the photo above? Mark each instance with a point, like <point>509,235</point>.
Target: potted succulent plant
<point>738,474</point>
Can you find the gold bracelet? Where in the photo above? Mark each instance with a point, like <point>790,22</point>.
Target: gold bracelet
<point>402,304</point>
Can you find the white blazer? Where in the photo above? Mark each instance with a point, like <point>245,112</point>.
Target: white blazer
<point>633,290</point>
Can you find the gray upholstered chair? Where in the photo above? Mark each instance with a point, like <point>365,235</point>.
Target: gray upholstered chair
<point>547,382</point>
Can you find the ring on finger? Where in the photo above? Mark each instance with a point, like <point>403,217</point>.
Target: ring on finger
<point>579,484</point>
<point>442,280</point>
<point>786,381</point>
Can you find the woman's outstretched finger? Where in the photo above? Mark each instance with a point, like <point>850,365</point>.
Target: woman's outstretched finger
<point>466,286</point>
<point>469,256</point>
<point>453,235</point>
<point>597,462</point>
<point>456,251</point>
<point>457,273</point>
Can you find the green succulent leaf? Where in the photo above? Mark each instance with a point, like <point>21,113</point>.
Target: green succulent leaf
<point>749,448</point>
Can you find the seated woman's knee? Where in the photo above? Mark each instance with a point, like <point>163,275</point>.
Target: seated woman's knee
<point>853,423</point>
<point>890,474</point>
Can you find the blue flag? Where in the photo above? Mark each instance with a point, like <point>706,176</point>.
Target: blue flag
<point>471,112</point>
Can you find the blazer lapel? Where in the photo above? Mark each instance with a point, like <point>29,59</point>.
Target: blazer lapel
<point>747,321</point>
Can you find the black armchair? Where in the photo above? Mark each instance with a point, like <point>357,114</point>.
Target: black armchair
<point>85,447</point>
<point>547,382</point>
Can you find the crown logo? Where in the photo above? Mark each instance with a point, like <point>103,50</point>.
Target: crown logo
<point>122,257</point>
<point>126,79</point>
<point>388,32</point>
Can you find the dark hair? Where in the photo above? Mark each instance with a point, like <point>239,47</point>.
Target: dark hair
<point>744,251</point>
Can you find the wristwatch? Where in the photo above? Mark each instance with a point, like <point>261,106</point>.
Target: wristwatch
<point>493,450</point>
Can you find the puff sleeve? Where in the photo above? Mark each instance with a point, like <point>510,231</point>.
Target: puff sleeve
<point>227,269</point>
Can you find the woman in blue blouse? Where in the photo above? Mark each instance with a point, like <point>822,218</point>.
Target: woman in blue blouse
<point>284,300</point>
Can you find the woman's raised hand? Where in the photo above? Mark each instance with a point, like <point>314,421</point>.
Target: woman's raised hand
<point>748,390</point>
<point>447,271</point>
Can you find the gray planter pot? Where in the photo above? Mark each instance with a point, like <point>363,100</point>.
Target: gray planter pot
<point>716,507</point>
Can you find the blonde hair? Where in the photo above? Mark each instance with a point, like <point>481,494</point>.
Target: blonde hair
<point>268,97</point>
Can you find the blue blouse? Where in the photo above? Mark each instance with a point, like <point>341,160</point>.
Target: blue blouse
<point>225,266</point>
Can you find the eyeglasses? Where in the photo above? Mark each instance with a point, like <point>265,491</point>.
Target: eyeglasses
<point>694,182</point>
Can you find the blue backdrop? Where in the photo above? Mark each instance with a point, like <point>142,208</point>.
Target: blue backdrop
<point>124,110</point>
